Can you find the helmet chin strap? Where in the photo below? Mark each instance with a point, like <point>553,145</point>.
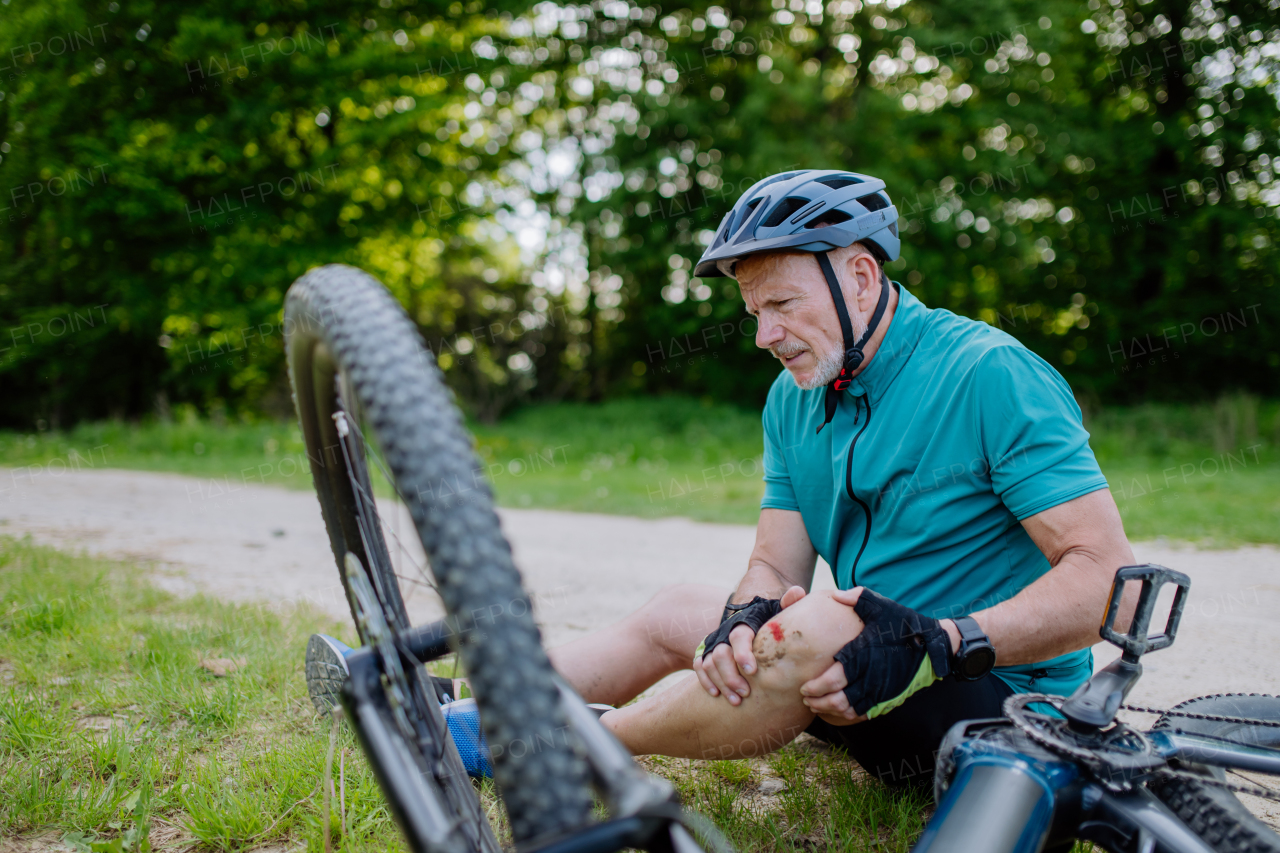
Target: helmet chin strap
<point>853,355</point>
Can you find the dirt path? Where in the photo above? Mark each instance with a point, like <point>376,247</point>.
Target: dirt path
<point>267,545</point>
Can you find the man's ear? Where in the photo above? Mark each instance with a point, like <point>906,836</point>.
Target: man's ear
<point>864,273</point>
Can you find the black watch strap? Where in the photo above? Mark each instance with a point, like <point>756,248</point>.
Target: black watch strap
<point>969,630</point>
<point>976,656</point>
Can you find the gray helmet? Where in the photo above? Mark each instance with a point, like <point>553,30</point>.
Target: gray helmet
<point>782,211</point>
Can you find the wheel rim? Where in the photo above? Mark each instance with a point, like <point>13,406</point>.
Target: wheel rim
<point>347,496</point>
<point>340,467</point>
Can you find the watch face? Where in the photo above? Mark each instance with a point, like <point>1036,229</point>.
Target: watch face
<point>978,662</point>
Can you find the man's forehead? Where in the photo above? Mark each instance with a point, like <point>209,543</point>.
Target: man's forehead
<point>758,274</point>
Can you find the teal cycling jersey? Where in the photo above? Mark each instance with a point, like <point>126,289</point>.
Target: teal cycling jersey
<point>950,437</point>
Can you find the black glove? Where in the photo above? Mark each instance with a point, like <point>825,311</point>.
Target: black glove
<point>898,653</point>
<point>755,614</point>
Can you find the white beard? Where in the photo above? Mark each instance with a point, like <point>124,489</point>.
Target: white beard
<point>829,362</point>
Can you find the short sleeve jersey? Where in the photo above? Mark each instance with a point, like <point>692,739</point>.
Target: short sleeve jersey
<point>950,437</point>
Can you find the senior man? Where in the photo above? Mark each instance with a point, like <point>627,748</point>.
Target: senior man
<point>937,465</point>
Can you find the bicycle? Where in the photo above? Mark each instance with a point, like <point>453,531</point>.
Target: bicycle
<point>369,398</point>
<point>1033,781</point>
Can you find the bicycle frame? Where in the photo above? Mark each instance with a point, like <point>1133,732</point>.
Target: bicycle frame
<point>999,791</point>
<point>416,807</point>
<point>642,812</point>
<point>1009,795</point>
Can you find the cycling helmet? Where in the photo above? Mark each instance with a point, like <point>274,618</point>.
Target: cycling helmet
<point>784,212</point>
<point>816,211</point>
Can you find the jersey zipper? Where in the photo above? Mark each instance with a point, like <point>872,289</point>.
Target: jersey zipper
<point>848,482</point>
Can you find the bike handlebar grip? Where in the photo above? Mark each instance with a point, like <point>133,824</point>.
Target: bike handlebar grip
<point>992,807</point>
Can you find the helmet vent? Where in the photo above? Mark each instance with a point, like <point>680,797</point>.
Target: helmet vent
<point>831,217</point>
<point>785,208</point>
<point>746,214</point>
<point>893,228</point>
<point>836,182</point>
<point>875,201</point>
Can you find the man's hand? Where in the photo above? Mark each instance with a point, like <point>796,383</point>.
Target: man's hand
<point>826,696</point>
<point>721,671</point>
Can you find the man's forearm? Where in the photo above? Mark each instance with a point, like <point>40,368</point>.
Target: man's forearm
<point>763,580</point>
<point>1083,539</point>
<point>1057,614</point>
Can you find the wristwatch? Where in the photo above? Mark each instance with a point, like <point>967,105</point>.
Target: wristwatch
<point>976,656</point>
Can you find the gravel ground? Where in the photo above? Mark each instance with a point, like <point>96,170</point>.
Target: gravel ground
<point>266,545</point>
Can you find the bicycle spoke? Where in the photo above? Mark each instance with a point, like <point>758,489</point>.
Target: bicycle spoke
<point>1260,780</point>
<point>403,704</point>
<point>367,506</point>
<point>423,574</point>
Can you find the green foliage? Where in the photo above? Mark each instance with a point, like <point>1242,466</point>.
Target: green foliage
<point>1031,148</point>
<point>1100,183</point>
<point>1025,145</point>
<point>178,169</point>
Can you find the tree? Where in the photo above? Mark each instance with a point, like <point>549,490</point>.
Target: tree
<point>173,168</point>
<point>1085,179</point>
<point>535,182</point>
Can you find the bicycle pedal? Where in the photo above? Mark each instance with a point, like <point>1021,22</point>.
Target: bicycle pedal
<point>326,670</point>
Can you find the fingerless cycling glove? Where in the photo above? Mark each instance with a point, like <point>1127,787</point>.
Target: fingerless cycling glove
<point>755,614</point>
<point>898,653</point>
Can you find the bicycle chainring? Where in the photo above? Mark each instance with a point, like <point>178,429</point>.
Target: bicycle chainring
<point>1117,757</point>
<point>1107,758</point>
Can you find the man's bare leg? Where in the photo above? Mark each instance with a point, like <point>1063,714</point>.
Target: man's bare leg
<point>792,648</point>
<point>616,664</point>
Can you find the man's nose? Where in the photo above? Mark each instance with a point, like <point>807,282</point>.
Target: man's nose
<point>769,334</point>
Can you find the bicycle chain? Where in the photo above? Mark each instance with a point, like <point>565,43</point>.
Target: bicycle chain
<point>1091,759</point>
<point>1213,718</point>
<point>1253,791</point>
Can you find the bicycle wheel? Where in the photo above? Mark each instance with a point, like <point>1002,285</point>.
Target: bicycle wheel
<point>358,365</point>
<point>1217,815</point>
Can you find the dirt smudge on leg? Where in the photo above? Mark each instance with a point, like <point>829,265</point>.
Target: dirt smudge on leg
<point>769,646</point>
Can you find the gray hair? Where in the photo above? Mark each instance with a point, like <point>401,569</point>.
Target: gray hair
<point>728,265</point>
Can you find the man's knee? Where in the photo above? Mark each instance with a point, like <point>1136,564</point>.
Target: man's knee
<point>679,615</point>
<point>800,642</point>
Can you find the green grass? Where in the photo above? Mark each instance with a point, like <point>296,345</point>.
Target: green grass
<point>113,737</point>
<point>1208,473</point>
<point>824,802</point>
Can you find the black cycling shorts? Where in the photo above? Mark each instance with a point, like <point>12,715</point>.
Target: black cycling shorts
<point>899,748</point>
